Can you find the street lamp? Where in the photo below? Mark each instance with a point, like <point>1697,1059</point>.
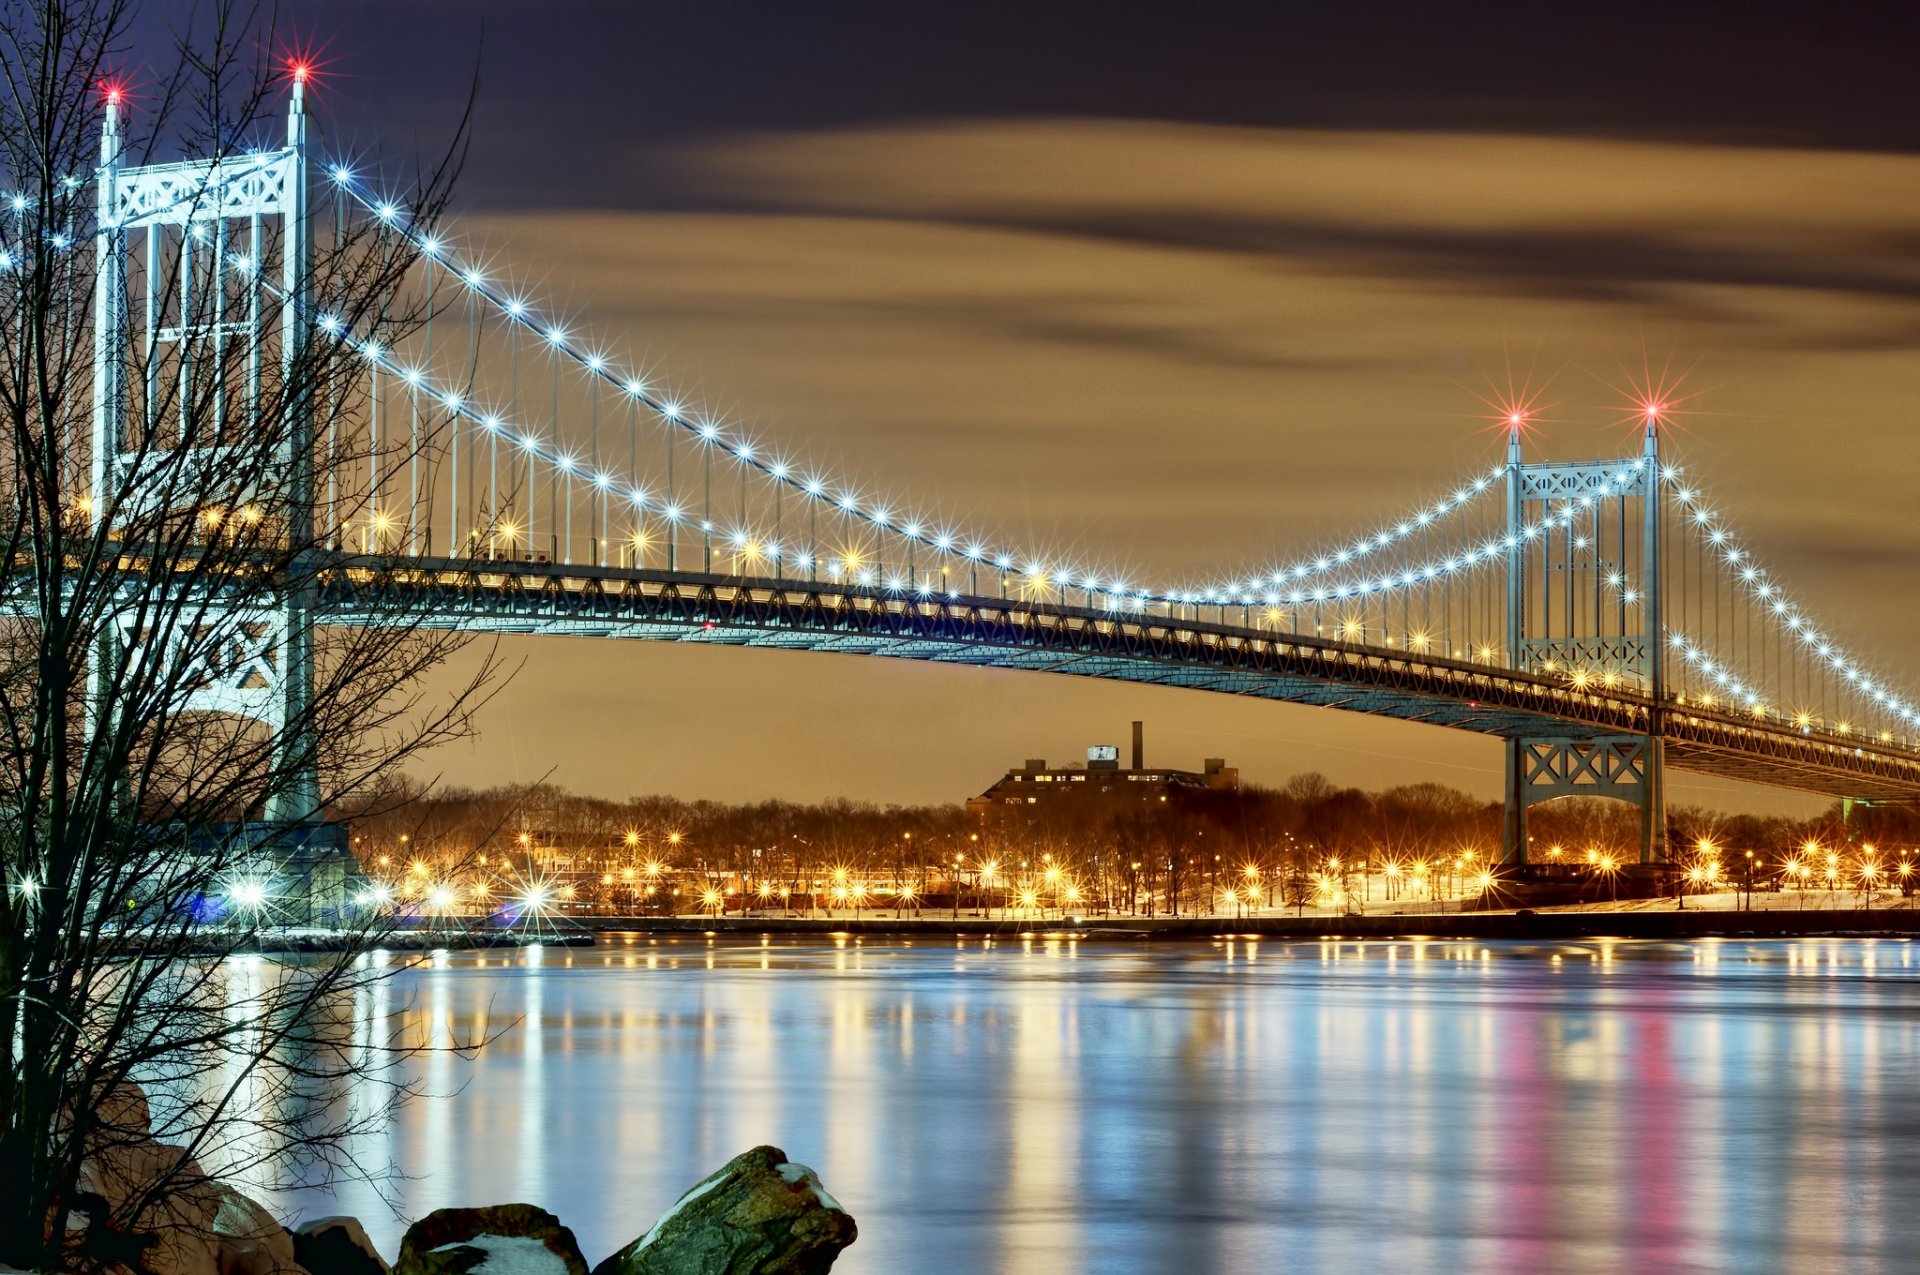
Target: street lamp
<point>1869,872</point>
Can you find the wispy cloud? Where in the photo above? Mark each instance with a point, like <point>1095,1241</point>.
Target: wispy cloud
<point>1182,349</point>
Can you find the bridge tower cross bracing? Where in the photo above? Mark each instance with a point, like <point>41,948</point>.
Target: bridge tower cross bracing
<point>1557,623</point>
<point>270,676</point>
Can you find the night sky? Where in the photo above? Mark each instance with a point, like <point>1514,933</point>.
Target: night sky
<point>1182,283</point>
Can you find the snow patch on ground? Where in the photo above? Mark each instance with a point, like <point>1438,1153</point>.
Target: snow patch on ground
<point>511,1255</point>
<point>801,1173</point>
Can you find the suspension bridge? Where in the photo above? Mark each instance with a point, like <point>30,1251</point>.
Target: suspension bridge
<point>488,469</point>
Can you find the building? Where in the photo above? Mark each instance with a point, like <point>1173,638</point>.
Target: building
<point>1101,778</point>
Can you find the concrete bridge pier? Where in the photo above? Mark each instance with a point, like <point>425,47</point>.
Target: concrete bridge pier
<point>1630,768</point>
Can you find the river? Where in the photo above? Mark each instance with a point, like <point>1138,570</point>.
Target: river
<point>1109,1106</point>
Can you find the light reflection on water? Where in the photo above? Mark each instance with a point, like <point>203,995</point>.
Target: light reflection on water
<point>1235,1106</point>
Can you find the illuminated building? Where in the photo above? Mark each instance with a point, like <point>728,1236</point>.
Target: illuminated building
<point>1102,778</point>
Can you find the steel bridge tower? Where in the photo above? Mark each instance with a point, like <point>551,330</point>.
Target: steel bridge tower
<point>192,213</point>
<point>1585,595</point>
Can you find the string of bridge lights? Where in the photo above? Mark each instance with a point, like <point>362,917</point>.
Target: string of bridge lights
<point>18,203</point>
<point>1250,592</point>
<point>1436,569</point>
<point>1742,696</point>
<point>839,498</point>
<point>846,501</point>
<point>1695,654</point>
<point>1246,593</point>
<point>1745,572</point>
<point>843,500</point>
<point>1426,518</point>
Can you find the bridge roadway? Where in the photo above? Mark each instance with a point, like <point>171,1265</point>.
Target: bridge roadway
<point>589,601</point>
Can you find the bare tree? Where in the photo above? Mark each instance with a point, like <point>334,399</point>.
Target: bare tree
<point>172,726</point>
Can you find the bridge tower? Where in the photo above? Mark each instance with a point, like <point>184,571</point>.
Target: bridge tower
<point>1583,600</point>
<point>175,230</point>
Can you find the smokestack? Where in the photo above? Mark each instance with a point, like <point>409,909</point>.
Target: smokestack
<point>1139,745</point>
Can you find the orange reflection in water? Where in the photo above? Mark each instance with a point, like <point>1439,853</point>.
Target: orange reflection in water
<point>1104,1106</point>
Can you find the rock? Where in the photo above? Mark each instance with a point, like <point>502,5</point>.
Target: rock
<point>761,1214</point>
<point>150,1198</point>
<point>116,1114</point>
<point>123,1112</point>
<point>154,1197</point>
<point>336,1246</point>
<point>506,1239</point>
<point>123,1175</point>
<point>248,1241</point>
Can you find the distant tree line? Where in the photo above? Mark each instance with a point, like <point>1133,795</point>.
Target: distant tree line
<point>1195,850</point>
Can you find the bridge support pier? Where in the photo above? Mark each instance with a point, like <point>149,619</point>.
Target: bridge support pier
<point>1513,838</point>
<point>297,797</point>
<point>1627,768</point>
<point>1653,803</point>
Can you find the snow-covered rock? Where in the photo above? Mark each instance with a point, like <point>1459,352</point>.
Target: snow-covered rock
<point>506,1239</point>
<point>760,1214</point>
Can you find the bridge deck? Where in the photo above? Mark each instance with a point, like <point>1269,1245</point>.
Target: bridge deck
<point>591,601</point>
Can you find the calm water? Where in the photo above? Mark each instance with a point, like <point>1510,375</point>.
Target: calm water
<point>1104,1107</point>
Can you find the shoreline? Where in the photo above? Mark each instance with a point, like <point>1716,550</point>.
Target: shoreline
<point>1544,926</point>
<point>1453,925</point>
<point>267,943</point>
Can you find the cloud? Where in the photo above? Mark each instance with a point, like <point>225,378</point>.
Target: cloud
<point>1186,350</point>
<point>1630,221</point>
